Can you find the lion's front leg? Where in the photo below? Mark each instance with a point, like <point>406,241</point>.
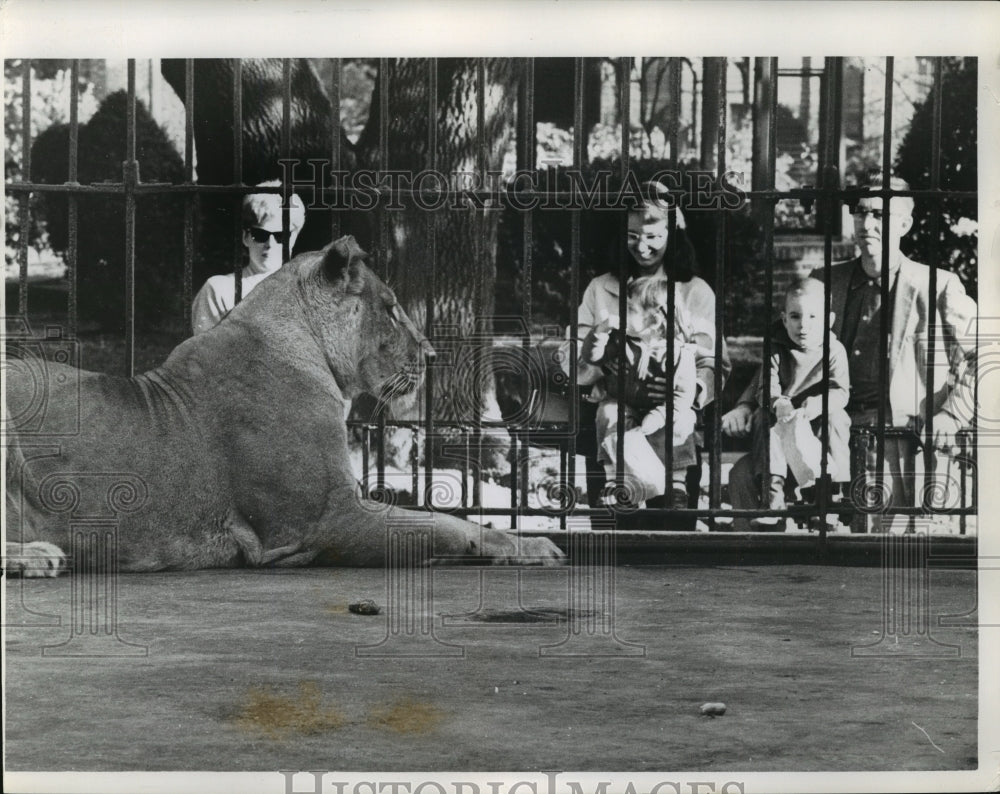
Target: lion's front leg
<point>365,533</point>
<point>456,539</point>
<point>37,559</point>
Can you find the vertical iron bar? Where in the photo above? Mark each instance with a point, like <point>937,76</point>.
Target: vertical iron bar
<point>830,205</point>
<point>769,91</point>
<point>130,178</point>
<point>674,123</point>
<point>24,202</point>
<point>528,117</point>
<point>936,107</point>
<point>383,232</point>
<point>673,134</point>
<point>189,200</point>
<point>478,252</point>
<point>286,152</point>
<point>465,468</point>
<point>366,441</point>
<point>72,252</point>
<point>238,175</point>
<point>335,143</point>
<point>579,66</point>
<point>769,100</point>
<point>715,459</point>
<point>432,226</point>
<point>668,435</point>
<point>414,466</point>
<point>515,476</point>
<point>884,285</point>
<point>625,110</point>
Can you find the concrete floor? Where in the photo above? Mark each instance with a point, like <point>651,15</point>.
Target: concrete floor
<point>259,670</point>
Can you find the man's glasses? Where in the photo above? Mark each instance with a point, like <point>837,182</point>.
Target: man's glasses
<point>259,235</point>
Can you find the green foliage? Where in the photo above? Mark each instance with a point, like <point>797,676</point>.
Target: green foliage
<point>48,105</point>
<point>101,224</point>
<point>956,219</point>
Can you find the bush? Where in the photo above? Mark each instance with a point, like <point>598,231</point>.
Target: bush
<point>101,218</point>
<point>957,238</point>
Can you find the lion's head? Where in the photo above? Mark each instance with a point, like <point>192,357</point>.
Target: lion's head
<point>371,344</point>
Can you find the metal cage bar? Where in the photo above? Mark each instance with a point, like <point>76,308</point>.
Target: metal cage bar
<point>189,200</point>
<point>829,180</point>
<point>715,464</point>
<point>769,99</point>
<point>482,155</point>
<point>382,256</point>
<point>24,200</point>
<point>286,154</point>
<point>574,296</point>
<point>528,253</point>
<point>72,177</point>
<point>130,177</point>
<point>432,227</point>
<point>336,68</point>
<point>625,110</point>
<point>884,287</point>
<point>935,219</point>
<point>238,176</point>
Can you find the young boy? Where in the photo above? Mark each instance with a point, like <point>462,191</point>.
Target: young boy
<point>646,358</point>
<point>791,427</point>
<point>263,237</point>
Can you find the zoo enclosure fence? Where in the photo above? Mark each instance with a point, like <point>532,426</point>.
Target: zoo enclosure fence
<point>528,430</point>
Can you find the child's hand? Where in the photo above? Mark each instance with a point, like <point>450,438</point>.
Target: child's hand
<point>684,424</point>
<point>783,409</point>
<point>652,422</point>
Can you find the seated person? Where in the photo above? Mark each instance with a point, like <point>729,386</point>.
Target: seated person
<point>856,302</point>
<point>263,237</point>
<point>646,358</point>
<point>655,249</point>
<point>790,429</point>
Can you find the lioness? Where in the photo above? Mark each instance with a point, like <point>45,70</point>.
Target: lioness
<point>234,452</point>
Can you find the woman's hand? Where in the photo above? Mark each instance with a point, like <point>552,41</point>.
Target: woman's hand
<point>736,423</point>
<point>656,387</point>
<point>596,341</point>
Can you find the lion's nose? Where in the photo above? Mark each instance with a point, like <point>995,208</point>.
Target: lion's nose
<point>428,351</point>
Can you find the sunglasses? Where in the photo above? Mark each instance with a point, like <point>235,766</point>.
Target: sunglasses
<point>259,235</point>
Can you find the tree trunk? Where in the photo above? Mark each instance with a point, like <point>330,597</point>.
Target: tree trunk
<point>461,274</point>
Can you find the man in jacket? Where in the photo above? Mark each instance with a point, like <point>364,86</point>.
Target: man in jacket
<point>855,300</point>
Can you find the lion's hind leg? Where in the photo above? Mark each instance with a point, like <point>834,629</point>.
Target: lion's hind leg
<point>34,560</point>
<point>239,529</point>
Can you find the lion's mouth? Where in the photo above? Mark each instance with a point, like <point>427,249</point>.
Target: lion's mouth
<point>400,384</point>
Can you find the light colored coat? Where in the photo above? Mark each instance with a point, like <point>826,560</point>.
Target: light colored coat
<point>909,340</point>
<point>695,314</point>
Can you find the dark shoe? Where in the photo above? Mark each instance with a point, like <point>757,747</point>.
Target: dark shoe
<point>678,500</point>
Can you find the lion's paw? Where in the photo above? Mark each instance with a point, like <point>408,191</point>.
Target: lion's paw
<point>522,550</point>
<point>34,560</point>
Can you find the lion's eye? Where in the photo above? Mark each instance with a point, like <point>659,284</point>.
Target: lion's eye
<point>393,310</point>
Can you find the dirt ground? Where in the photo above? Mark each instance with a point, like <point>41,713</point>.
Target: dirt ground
<point>270,670</point>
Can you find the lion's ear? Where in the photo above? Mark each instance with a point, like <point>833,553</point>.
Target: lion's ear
<point>342,261</point>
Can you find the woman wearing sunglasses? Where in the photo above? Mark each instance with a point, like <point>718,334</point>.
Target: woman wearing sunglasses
<point>264,239</point>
